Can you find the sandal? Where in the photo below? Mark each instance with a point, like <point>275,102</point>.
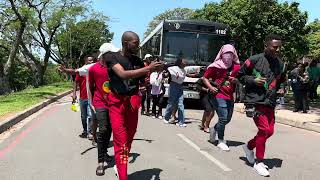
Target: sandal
<point>201,127</point>
<point>100,170</point>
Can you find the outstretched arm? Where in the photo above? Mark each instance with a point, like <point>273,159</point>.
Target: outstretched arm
<point>128,74</point>
<point>65,70</point>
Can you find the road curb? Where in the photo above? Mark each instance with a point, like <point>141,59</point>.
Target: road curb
<point>311,126</point>
<point>6,124</point>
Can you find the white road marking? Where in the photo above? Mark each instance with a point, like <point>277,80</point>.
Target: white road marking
<point>206,154</point>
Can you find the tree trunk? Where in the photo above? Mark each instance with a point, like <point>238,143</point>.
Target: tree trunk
<point>5,86</point>
<point>14,49</point>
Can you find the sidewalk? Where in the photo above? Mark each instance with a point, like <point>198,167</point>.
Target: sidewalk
<point>309,121</point>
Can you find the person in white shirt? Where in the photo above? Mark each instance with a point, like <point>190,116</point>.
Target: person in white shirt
<point>157,92</point>
<point>177,76</point>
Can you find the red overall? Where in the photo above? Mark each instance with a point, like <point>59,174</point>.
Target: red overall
<point>123,112</point>
<point>265,124</point>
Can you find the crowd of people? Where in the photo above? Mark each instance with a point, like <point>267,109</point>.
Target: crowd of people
<point>115,85</point>
<point>304,80</point>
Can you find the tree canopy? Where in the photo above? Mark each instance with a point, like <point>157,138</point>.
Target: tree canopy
<point>31,31</point>
<point>314,39</point>
<point>251,21</point>
<point>177,13</point>
<point>82,38</point>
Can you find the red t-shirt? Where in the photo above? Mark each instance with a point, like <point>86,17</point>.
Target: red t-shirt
<point>99,85</point>
<point>81,80</point>
<point>221,78</point>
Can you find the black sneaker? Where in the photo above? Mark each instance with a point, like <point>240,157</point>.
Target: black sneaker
<point>83,135</point>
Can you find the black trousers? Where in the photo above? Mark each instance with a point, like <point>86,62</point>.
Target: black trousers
<point>301,100</point>
<point>146,96</point>
<point>313,90</point>
<point>103,133</point>
<point>157,101</point>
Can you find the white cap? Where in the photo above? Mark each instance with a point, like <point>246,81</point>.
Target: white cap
<point>147,56</point>
<point>107,47</point>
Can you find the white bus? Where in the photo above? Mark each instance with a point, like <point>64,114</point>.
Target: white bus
<point>196,41</point>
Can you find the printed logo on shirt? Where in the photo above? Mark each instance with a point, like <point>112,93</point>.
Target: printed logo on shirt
<point>106,87</point>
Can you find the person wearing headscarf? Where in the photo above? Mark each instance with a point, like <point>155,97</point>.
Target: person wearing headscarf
<point>222,72</point>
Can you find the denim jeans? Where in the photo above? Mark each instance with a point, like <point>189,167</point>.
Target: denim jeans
<point>175,100</point>
<point>85,115</point>
<point>224,110</point>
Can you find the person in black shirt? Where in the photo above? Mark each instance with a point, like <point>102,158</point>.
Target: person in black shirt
<point>125,72</point>
<point>300,87</point>
<point>262,75</point>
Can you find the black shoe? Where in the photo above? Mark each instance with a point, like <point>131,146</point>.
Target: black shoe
<point>83,135</point>
<point>305,112</point>
<point>296,110</point>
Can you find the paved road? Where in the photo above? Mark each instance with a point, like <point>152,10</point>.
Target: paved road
<point>47,146</point>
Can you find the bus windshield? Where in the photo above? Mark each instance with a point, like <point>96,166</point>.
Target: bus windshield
<point>209,46</point>
<point>197,49</point>
<point>180,44</point>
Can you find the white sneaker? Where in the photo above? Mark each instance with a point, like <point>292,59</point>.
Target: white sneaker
<point>154,117</point>
<point>249,154</point>
<point>181,125</point>
<point>165,121</point>
<point>115,170</point>
<point>261,169</point>
<point>223,145</point>
<point>213,136</point>
<point>160,117</point>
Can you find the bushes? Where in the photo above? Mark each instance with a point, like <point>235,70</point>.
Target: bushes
<point>20,77</point>
<point>52,75</point>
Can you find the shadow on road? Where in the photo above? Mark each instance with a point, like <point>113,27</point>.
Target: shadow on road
<point>274,162</point>
<point>133,155</point>
<point>229,143</point>
<point>147,140</point>
<point>147,174</point>
<point>234,143</point>
<point>87,150</point>
<point>110,145</point>
<point>271,163</point>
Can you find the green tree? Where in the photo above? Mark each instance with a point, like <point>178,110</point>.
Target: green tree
<point>174,14</point>
<point>250,22</point>
<point>41,19</point>
<point>314,39</point>
<point>81,38</point>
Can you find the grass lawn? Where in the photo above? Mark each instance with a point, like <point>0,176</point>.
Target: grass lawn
<point>19,101</point>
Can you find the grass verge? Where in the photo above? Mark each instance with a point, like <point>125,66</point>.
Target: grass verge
<point>21,100</point>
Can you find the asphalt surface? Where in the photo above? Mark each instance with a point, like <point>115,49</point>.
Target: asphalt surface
<point>46,146</point>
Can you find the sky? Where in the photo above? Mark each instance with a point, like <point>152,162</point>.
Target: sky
<point>134,15</point>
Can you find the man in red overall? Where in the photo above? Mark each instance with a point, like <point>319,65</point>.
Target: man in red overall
<point>125,73</point>
<point>263,75</point>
